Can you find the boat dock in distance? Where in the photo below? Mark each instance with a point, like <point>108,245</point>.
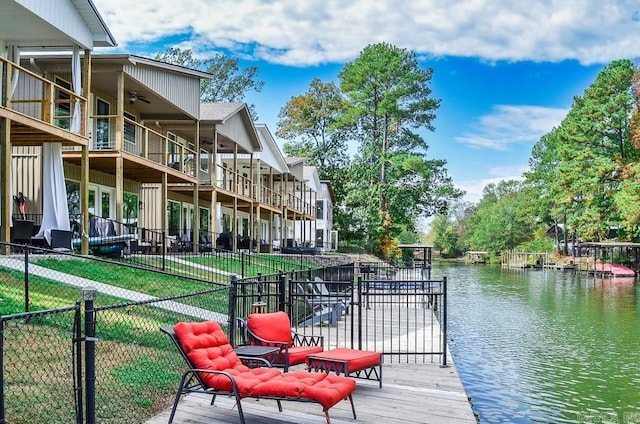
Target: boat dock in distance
<point>604,259</point>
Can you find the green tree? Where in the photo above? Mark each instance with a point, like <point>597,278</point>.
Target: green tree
<point>596,152</point>
<point>390,98</point>
<point>310,124</point>
<point>499,223</point>
<point>229,83</point>
<point>548,200</point>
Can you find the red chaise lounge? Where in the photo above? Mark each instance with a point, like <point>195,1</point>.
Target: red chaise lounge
<point>214,368</point>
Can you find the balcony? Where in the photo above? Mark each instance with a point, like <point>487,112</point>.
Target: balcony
<point>232,181</point>
<point>40,110</point>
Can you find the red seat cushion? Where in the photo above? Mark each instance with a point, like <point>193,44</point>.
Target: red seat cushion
<point>273,326</point>
<point>207,348</point>
<point>323,388</point>
<point>298,354</point>
<point>330,390</point>
<point>193,335</point>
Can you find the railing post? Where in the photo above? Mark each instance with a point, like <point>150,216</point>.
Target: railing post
<point>283,293</point>
<point>26,280</point>
<point>2,410</point>
<point>443,324</point>
<point>164,251</point>
<point>89,295</point>
<point>359,312</point>
<point>77,342</point>
<point>233,293</point>
<point>242,264</point>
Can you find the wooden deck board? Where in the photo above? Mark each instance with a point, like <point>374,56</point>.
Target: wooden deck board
<point>412,392</point>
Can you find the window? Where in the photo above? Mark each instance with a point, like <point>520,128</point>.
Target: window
<point>129,128</point>
<point>130,208</point>
<point>187,222</point>
<point>173,211</point>
<point>320,209</point>
<point>102,141</point>
<point>62,118</point>
<point>204,161</point>
<point>102,201</point>
<point>320,238</point>
<point>73,199</point>
<point>204,220</point>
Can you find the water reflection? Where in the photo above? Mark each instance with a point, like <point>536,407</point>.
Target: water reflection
<point>545,346</point>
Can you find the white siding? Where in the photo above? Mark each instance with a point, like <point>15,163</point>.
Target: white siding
<point>236,129</point>
<point>62,15</point>
<point>181,90</point>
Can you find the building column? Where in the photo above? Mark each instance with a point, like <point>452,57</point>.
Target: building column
<point>84,163</point>
<point>5,160</point>
<point>119,138</point>
<point>196,194</point>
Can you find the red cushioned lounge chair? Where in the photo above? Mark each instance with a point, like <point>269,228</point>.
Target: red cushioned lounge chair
<point>214,368</point>
<point>274,329</point>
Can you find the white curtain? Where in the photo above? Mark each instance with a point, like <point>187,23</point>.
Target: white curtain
<point>14,56</point>
<point>55,214</point>
<point>77,89</point>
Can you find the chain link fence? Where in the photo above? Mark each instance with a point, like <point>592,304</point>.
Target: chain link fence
<point>130,368</point>
<point>40,354</point>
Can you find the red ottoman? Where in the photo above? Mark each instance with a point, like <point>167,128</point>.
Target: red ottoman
<point>348,361</point>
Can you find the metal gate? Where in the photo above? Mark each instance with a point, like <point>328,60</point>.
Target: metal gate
<point>403,315</point>
<point>40,366</point>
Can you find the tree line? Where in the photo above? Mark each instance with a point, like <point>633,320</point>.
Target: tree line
<point>583,182</point>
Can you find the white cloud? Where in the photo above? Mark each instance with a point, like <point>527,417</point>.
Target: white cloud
<point>512,124</point>
<point>310,32</point>
<point>474,188</point>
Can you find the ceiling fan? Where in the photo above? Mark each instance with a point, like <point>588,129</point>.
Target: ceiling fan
<point>133,96</point>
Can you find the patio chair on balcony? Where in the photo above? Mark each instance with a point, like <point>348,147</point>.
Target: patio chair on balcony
<point>205,243</point>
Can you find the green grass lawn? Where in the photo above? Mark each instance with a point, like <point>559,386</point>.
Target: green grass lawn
<point>137,367</point>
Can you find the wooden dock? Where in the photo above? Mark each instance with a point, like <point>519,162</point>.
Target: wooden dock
<point>412,392</point>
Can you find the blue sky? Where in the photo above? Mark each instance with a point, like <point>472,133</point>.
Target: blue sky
<point>506,71</point>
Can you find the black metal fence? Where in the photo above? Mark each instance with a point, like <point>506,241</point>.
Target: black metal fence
<point>399,312</point>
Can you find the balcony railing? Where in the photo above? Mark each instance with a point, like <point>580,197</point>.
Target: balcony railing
<point>39,98</point>
<point>269,197</point>
<point>233,181</point>
<point>143,142</point>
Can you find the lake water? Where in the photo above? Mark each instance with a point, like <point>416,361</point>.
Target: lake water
<point>545,346</point>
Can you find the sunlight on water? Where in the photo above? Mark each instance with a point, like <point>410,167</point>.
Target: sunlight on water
<point>545,346</point>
